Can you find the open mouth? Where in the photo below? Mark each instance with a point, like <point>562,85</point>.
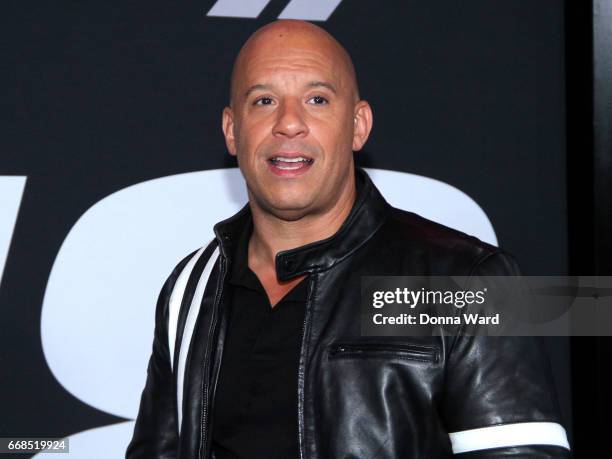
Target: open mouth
<point>290,165</point>
<point>286,163</point>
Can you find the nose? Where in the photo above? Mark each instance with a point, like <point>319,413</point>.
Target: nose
<point>290,120</point>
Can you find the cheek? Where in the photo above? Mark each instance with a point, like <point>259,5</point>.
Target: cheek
<point>337,141</point>
<point>329,128</point>
<point>247,141</point>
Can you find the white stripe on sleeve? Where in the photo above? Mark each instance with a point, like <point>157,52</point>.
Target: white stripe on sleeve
<point>176,298</point>
<point>192,315</point>
<point>509,435</point>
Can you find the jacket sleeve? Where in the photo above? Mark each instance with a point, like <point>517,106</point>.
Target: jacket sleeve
<point>155,431</point>
<point>500,399</point>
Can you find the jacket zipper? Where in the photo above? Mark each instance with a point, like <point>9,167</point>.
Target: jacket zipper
<point>400,350</point>
<point>302,365</point>
<point>205,384</point>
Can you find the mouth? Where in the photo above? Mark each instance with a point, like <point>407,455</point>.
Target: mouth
<point>290,164</point>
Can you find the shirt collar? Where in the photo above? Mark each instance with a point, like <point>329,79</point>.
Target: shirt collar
<point>241,275</point>
<point>367,215</point>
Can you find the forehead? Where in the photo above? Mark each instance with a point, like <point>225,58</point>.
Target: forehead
<point>291,61</point>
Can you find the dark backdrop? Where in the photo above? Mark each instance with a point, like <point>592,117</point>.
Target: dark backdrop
<point>101,96</point>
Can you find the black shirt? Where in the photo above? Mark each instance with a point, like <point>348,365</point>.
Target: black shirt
<point>255,408</point>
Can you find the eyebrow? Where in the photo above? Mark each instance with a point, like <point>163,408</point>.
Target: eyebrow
<point>322,84</point>
<point>256,87</point>
<point>312,84</point>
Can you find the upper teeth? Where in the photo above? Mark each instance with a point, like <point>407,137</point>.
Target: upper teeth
<point>289,160</point>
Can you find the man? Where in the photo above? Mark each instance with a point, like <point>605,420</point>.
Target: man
<point>263,356</point>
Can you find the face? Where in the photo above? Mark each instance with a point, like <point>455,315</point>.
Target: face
<point>294,123</point>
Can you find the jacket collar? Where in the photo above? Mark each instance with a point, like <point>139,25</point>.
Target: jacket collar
<point>366,216</point>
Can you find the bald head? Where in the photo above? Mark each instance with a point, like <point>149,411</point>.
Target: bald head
<point>295,118</point>
<point>285,35</point>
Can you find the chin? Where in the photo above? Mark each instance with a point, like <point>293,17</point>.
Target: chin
<point>290,215</point>
<point>285,204</point>
<point>289,210</point>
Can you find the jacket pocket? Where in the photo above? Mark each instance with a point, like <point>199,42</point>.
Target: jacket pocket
<point>406,351</point>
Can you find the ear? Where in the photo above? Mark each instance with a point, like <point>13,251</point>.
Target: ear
<point>363,119</point>
<point>227,125</point>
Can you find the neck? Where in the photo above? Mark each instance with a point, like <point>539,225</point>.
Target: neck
<point>272,234</point>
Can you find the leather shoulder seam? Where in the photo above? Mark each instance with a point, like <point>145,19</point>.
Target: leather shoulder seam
<point>480,260</point>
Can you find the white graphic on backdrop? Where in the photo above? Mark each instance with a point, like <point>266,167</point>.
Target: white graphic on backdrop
<point>238,8</point>
<point>308,10</point>
<point>98,311</point>
<point>11,191</point>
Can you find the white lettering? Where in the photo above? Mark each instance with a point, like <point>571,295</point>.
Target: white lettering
<point>238,8</point>
<point>377,299</point>
<point>11,191</point>
<point>474,319</point>
<point>426,319</point>
<point>309,10</point>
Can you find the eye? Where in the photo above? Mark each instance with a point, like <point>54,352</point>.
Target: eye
<point>318,100</point>
<point>263,101</point>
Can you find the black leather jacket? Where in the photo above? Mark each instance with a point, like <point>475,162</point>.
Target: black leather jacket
<point>359,397</point>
